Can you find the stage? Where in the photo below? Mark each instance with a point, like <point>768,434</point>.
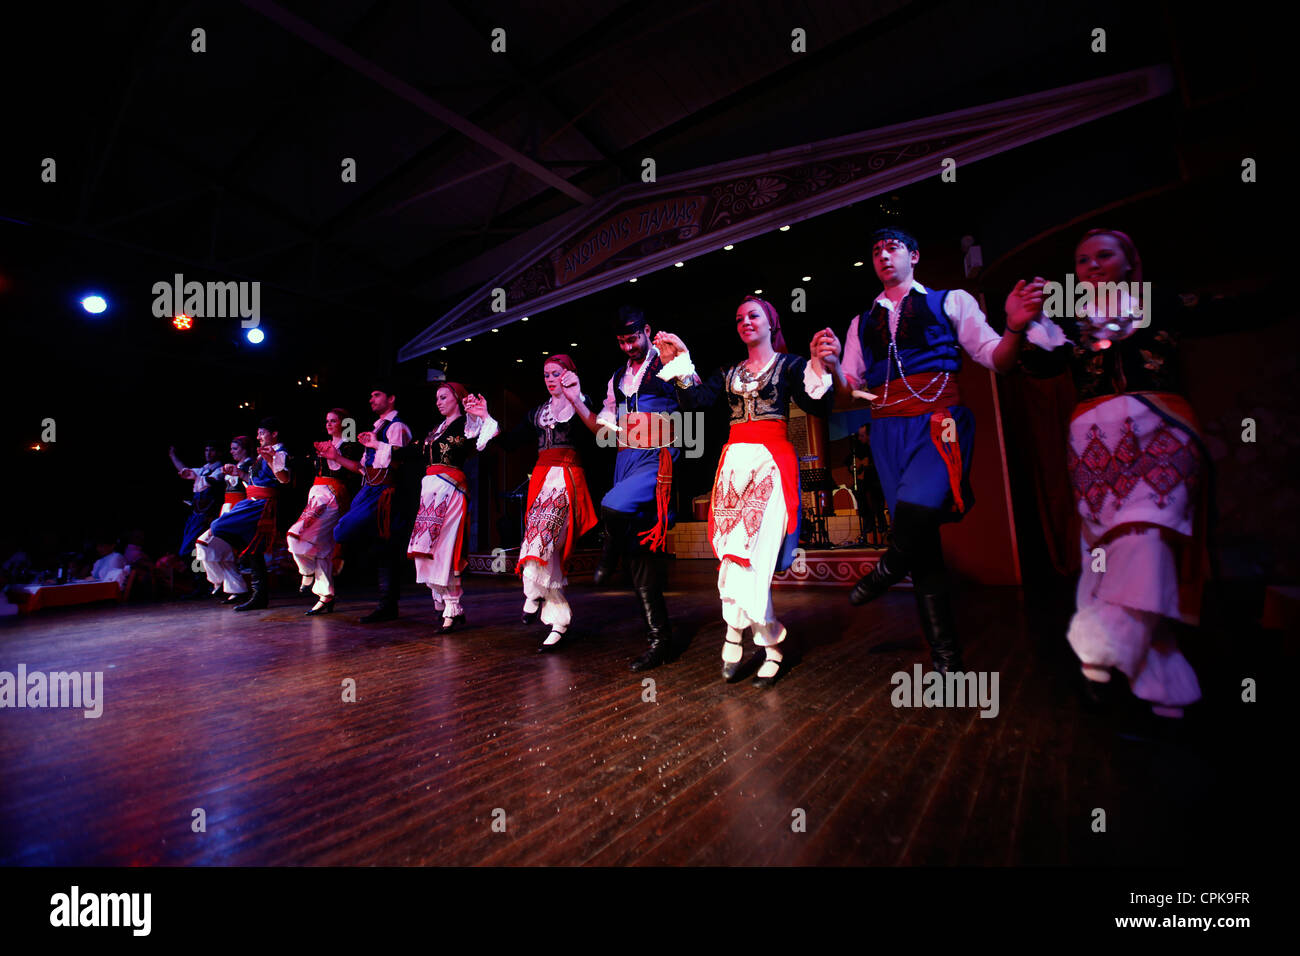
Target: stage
<point>242,717</point>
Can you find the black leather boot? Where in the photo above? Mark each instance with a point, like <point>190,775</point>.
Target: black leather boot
<point>648,577</point>
<point>940,631</point>
<point>387,609</point>
<point>258,595</point>
<point>889,570</point>
<point>616,524</point>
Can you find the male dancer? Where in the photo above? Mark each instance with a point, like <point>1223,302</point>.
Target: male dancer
<point>369,519</point>
<point>251,523</point>
<point>207,486</point>
<point>905,350</point>
<point>215,557</point>
<point>635,397</point>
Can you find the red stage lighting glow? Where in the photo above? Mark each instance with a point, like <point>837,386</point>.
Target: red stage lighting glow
<point>183,322</point>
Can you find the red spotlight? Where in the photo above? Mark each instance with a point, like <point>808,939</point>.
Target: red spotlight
<point>183,322</point>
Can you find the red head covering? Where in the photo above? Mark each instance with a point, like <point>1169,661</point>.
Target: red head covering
<point>562,360</point>
<point>1125,244</point>
<point>460,390</point>
<point>773,319</point>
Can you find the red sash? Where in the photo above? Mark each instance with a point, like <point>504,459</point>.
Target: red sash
<point>333,484</point>
<point>234,497</point>
<point>582,513</point>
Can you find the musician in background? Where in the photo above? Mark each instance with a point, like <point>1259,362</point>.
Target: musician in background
<point>866,487</point>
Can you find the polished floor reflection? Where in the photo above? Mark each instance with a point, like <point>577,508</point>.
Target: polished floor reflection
<point>472,748</point>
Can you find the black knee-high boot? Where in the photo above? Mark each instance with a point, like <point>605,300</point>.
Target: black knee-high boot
<point>905,538</point>
<point>616,532</point>
<point>648,577</point>
<point>258,599</point>
<point>932,589</point>
<point>389,584</point>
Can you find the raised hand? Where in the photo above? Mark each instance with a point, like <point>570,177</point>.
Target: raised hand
<point>327,450</point>
<point>1024,303</point>
<point>230,469</point>
<point>187,474</point>
<point>368,439</point>
<point>669,346</point>
<point>476,405</point>
<point>571,388</point>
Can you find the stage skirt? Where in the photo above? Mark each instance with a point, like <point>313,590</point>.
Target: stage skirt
<point>312,535</point>
<point>438,539</point>
<point>1136,467</point>
<point>749,518</point>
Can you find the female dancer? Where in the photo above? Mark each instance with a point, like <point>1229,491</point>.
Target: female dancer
<point>1136,461</point>
<point>311,538</point>
<point>438,540</point>
<point>559,510</point>
<point>755,508</point>
<point>213,554</point>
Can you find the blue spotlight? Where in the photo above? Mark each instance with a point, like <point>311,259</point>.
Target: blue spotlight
<point>94,304</point>
<point>255,335</point>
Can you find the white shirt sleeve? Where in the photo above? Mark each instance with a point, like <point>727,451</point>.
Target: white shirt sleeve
<point>1046,334</point>
<point>973,331</point>
<point>482,430</point>
<point>853,364</point>
<point>680,368</point>
<point>398,436</point>
<point>607,416</point>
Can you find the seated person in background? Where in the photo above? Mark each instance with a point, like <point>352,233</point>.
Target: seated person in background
<point>111,565</point>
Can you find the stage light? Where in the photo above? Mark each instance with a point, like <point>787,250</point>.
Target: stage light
<point>183,322</point>
<point>443,349</point>
<point>255,335</point>
<point>857,264</point>
<point>728,247</point>
<point>573,345</point>
<point>469,340</point>
<point>678,265</point>
<point>518,360</point>
<point>94,304</point>
<point>546,353</point>
<point>784,229</point>
<point>633,279</point>
<point>758,292</point>
<point>496,330</point>
<point>807,278</point>
<point>524,319</point>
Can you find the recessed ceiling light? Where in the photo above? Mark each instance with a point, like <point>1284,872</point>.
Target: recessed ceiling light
<point>807,278</point>
<point>633,279</point>
<point>858,263</point>
<point>758,292</point>
<point>728,247</point>
<point>524,319</point>
<point>678,265</point>
<point>784,229</point>
<point>496,330</point>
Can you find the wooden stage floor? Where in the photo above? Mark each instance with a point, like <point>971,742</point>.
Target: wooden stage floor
<point>241,715</point>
